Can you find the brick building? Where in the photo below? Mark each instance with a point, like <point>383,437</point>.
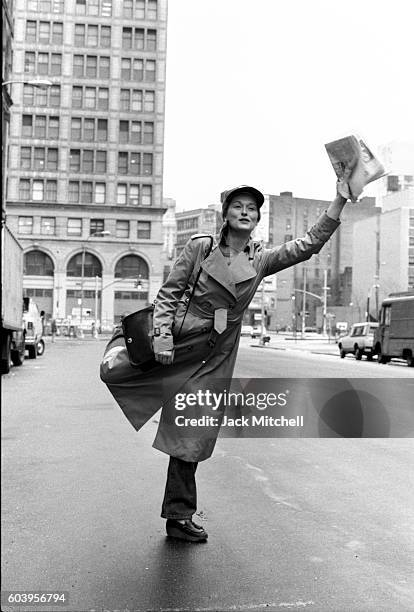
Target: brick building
<point>86,153</point>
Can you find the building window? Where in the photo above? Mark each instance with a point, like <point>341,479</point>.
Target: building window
<point>90,97</point>
<point>92,36</point>
<point>86,192</point>
<point>54,95</point>
<point>40,126</point>
<point>45,6</point>
<point>51,191</point>
<point>74,191</point>
<point>127,9</point>
<point>86,266</point>
<point>127,38</point>
<point>38,191</point>
<point>76,128</point>
<point>27,126</point>
<point>96,226</point>
<point>52,159</point>
<point>29,62</point>
<point>37,263</point>
<point>151,40</point>
<point>91,66</point>
<point>102,130</point>
<point>121,194</point>
<point>57,33</point>
<point>132,266</point>
<point>80,30</point>
<point>147,195</point>
<point>133,195</point>
<point>100,162</point>
<point>74,160</point>
<point>44,32</point>
<point>123,163</point>
<point>100,193</point>
<point>24,189</point>
<point>129,194</point>
<point>25,225</point>
<point>139,39</point>
<point>94,8</point>
<point>105,38</point>
<point>78,65</point>
<point>48,225</point>
<point>152,9</point>
<point>144,230</point>
<point>89,129</point>
<point>148,132</point>
<point>103,98</point>
<point>77,97</point>
<point>122,229</point>
<point>31,31</point>
<point>147,164</point>
<point>149,101</point>
<point>74,227</point>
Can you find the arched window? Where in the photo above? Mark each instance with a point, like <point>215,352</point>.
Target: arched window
<point>37,263</point>
<point>131,266</point>
<point>92,266</point>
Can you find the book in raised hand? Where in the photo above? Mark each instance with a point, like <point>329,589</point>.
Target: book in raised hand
<point>351,153</point>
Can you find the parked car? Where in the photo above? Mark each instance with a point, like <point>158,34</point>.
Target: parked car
<point>359,341</point>
<point>257,332</point>
<point>246,330</point>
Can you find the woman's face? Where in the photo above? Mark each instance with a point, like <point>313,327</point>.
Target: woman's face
<point>242,213</point>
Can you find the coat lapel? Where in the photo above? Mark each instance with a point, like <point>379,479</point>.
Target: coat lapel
<point>240,270</point>
<point>216,266</point>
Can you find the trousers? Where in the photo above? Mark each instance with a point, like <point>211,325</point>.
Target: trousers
<point>180,497</point>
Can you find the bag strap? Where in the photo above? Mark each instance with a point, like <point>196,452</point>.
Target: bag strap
<point>195,285</point>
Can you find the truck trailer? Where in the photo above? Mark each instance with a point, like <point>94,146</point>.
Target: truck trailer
<point>12,331</point>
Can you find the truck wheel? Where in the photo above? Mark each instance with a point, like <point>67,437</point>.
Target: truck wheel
<point>40,347</point>
<point>358,353</point>
<point>32,352</point>
<point>17,357</point>
<point>5,359</point>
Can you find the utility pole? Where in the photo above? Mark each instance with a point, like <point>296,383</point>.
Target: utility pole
<point>304,303</point>
<point>262,311</point>
<point>325,300</point>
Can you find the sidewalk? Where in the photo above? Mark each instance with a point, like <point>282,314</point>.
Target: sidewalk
<point>319,345</point>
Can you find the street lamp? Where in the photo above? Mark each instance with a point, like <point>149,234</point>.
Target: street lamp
<point>97,234</point>
<point>33,82</point>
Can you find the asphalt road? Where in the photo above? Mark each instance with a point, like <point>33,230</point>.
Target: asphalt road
<point>307,523</point>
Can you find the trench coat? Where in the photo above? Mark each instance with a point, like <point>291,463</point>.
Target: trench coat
<point>203,359</point>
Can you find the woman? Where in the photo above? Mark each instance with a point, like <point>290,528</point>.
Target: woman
<point>197,349</point>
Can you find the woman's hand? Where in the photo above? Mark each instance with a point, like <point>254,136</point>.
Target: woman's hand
<point>163,347</point>
<point>165,357</point>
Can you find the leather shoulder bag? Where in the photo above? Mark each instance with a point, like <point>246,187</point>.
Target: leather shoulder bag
<point>138,329</point>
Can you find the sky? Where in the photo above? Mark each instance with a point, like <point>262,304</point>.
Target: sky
<point>255,88</point>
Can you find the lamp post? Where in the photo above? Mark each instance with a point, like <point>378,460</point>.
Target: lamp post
<point>97,234</point>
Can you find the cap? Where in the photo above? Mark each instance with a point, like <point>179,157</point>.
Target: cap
<point>226,196</point>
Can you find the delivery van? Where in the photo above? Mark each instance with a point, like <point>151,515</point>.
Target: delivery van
<point>394,337</point>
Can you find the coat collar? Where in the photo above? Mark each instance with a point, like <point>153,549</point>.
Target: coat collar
<point>239,270</point>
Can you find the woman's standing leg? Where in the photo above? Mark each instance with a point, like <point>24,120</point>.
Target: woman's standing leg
<point>180,501</point>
